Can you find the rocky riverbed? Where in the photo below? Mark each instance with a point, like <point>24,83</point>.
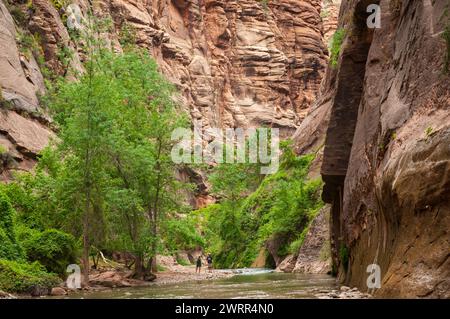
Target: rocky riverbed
<point>344,292</point>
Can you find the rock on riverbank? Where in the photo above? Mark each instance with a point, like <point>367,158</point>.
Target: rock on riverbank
<point>343,293</point>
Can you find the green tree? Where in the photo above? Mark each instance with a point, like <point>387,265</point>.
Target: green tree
<point>86,113</point>
<point>251,213</point>
<point>143,169</point>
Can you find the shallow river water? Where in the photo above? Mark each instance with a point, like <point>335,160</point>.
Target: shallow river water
<point>248,283</point>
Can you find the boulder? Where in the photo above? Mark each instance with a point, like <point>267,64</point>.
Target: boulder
<point>58,291</point>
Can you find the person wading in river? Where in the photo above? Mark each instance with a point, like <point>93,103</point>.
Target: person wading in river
<point>209,260</point>
<point>198,265</point>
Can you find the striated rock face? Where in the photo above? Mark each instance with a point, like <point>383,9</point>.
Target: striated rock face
<point>21,133</point>
<point>236,63</point>
<point>386,159</point>
<point>330,15</point>
<point>313,256</point>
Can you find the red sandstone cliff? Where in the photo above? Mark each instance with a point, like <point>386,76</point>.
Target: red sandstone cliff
<point>382,122</point>
<point>235,63</point>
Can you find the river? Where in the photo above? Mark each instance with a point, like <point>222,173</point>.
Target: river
<point>247,283</point>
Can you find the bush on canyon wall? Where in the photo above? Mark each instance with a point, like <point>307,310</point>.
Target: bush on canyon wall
<point>335,46</point>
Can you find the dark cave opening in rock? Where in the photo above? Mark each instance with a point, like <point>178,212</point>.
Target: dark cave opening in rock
<point>270,262</point>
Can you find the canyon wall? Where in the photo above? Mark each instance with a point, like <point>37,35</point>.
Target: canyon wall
<point>382,122</point>
<point>380,125</point>
<point>243,63</point>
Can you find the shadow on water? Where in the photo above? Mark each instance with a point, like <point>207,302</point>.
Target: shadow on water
<point>247,283</point>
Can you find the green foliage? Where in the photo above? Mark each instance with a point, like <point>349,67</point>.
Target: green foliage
<point>23,277</point>
<point>33,197</point>
<point>182,262</point>
<point>127,36</point>
<point>9,248</point>
<point>344,256</point>
<point>281,207</point>
<point>6,215</point>
<point>18,15</point>
<point>116,176</point>
<point>59,4</point>
<point>24,233</point>
<point>65,56</point>
<point>209,220</point>
<point>52,248</point>
<point>160,268</point>
<point>295,246</point>
<point>335,46</point>
<point>232,181</point>
<point>4,104</point>
<point>324,13</point>
<point>181,234</point>
<point>428,131</point>
<point>445,35</point>
<point>265,4</point>
<point>25,42</point>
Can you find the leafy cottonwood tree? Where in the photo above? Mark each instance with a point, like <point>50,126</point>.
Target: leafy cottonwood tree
<point>143,169</point>
<point>86,110</point>
<point>116,141</point>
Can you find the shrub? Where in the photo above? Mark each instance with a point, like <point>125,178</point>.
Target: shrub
<point>295,246</point>
<point>264,4</point>
<point>182,262</point>
<point>22,277</point>
<point>59,4</point>
<point>335,46</point>
<point>52,248</point>
<point>9,248</point>
<point>6,215</point>
<point>24,233</point>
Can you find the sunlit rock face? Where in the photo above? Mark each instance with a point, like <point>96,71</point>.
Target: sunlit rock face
<point>235,63</point>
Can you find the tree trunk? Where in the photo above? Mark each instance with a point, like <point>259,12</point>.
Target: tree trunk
<point>152,264</point>
<point>86,244</point>
<point>139,268</point>
<point>85,260</point>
